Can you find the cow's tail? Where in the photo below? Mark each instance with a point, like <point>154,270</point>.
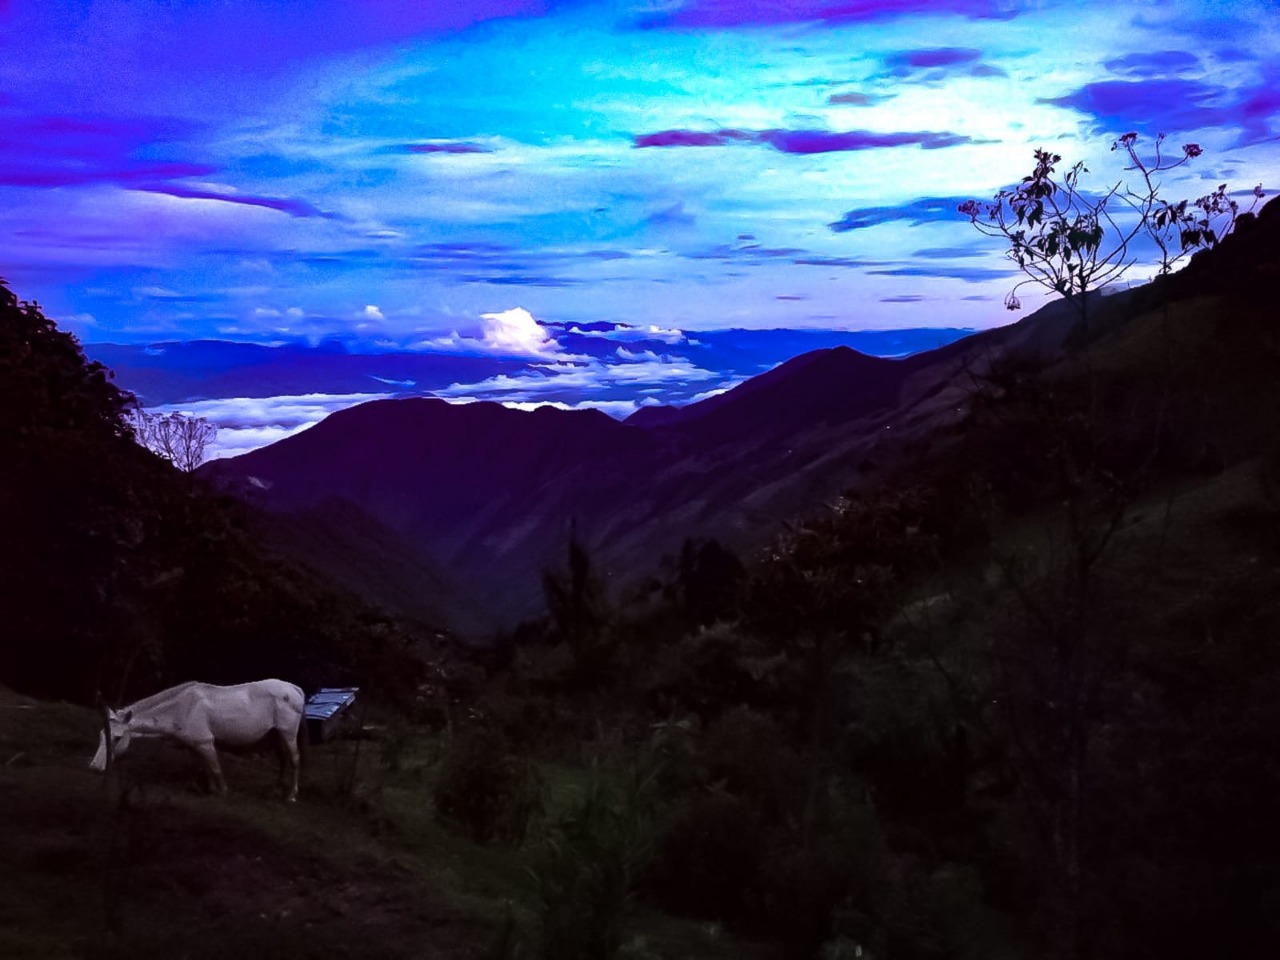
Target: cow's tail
<point>301,738</point>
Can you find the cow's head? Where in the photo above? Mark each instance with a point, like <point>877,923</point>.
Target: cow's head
<point>118,724</point>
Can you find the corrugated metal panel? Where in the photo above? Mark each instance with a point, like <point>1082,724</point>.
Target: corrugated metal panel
<point>327,702</point>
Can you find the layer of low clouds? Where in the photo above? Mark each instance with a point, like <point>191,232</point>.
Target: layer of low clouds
<point>246,423</point>
<point>613,368</point>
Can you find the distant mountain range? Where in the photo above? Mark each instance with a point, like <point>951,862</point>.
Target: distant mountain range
<point>484,497</point>
<point>178,371</point>
<point>490,494</point>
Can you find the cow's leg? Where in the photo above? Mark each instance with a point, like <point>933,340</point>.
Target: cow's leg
<point>287,749</point>
<point>210,757</point>
<point>290,745</point>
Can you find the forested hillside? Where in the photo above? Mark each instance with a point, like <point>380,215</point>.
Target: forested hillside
<point>119,573</point>
<point>1013,697</point>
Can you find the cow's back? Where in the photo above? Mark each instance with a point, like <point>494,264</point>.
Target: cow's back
<point>247,712</point>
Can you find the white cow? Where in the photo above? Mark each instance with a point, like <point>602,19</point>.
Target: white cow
<point>198,715</point>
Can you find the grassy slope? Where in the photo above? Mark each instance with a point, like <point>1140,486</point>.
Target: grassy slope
<point>151,867</point>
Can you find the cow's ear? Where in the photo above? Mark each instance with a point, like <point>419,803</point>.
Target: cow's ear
<point>128,715</point>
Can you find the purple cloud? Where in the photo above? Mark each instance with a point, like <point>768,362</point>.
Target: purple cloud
<point>694,138</point>
<point>968,274</point>
<point>295,208</point>
<point>518,280</point>
<point>817,141</point>
<point>936,57</point>
<point>855,99</point>
<point>938,63</point>
<point>916,212</point>
<point>1148,104</point>
<point>950,253</point>
<point>801,141</point>
<point>67,175</point>
<point>747,13</point>
<point>59,151</point>
<point>448,147</point>
<point>850,262</point>
<point>1157,64</point>
<point>1174,104</point>
<point>1260,104</point>
<point>745,253</point>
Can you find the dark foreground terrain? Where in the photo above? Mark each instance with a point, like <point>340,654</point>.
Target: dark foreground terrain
<point>149,865</point>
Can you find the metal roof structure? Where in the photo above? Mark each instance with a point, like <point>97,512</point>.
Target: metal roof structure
<point>327,702</point>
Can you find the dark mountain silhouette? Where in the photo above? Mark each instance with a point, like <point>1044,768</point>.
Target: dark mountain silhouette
<point>820,386</point>
<point>491,494</point>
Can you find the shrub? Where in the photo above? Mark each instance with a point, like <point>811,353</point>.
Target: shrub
<point>674,757</point>
<point>708,859</point>
<point>800,893</point>
<point>747,753</point>
<point>584,873</point>
<point>487,792</point>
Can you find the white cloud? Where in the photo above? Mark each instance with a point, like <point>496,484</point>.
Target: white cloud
<point>618,409</point>
<point>628,333</point>
<point>515,332</point>
<point>582,375</point>
<point>246,423</point>
<point>156,293</point>
<point>628,356</point>
<point>708,394</point>
<point>78,323</point>
<point>508,333</point>
<point>371,312</point>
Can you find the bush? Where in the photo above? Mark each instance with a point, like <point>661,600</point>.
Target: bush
<point>708,860</point>
<point>485,791</point>
<point>584,873</point>
<point>746,752</point>
<point>675,759</point>
<point>800,893</point>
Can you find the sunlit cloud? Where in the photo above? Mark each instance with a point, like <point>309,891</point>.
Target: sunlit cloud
<point>506,333</point>
<point>586,375</point>
<point>629,334</point>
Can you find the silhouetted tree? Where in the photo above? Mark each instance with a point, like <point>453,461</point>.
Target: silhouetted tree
<point>1054,666</point>
<point>1072,243</point>
<point>579,612</point>
<point>179,438</point>
<point>708,582</point>
<point>73,498</point>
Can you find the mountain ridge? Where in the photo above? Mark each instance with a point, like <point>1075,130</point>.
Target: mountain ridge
<point>492,494</point>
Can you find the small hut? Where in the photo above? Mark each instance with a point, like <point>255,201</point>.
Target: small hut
<point>328,710</point>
